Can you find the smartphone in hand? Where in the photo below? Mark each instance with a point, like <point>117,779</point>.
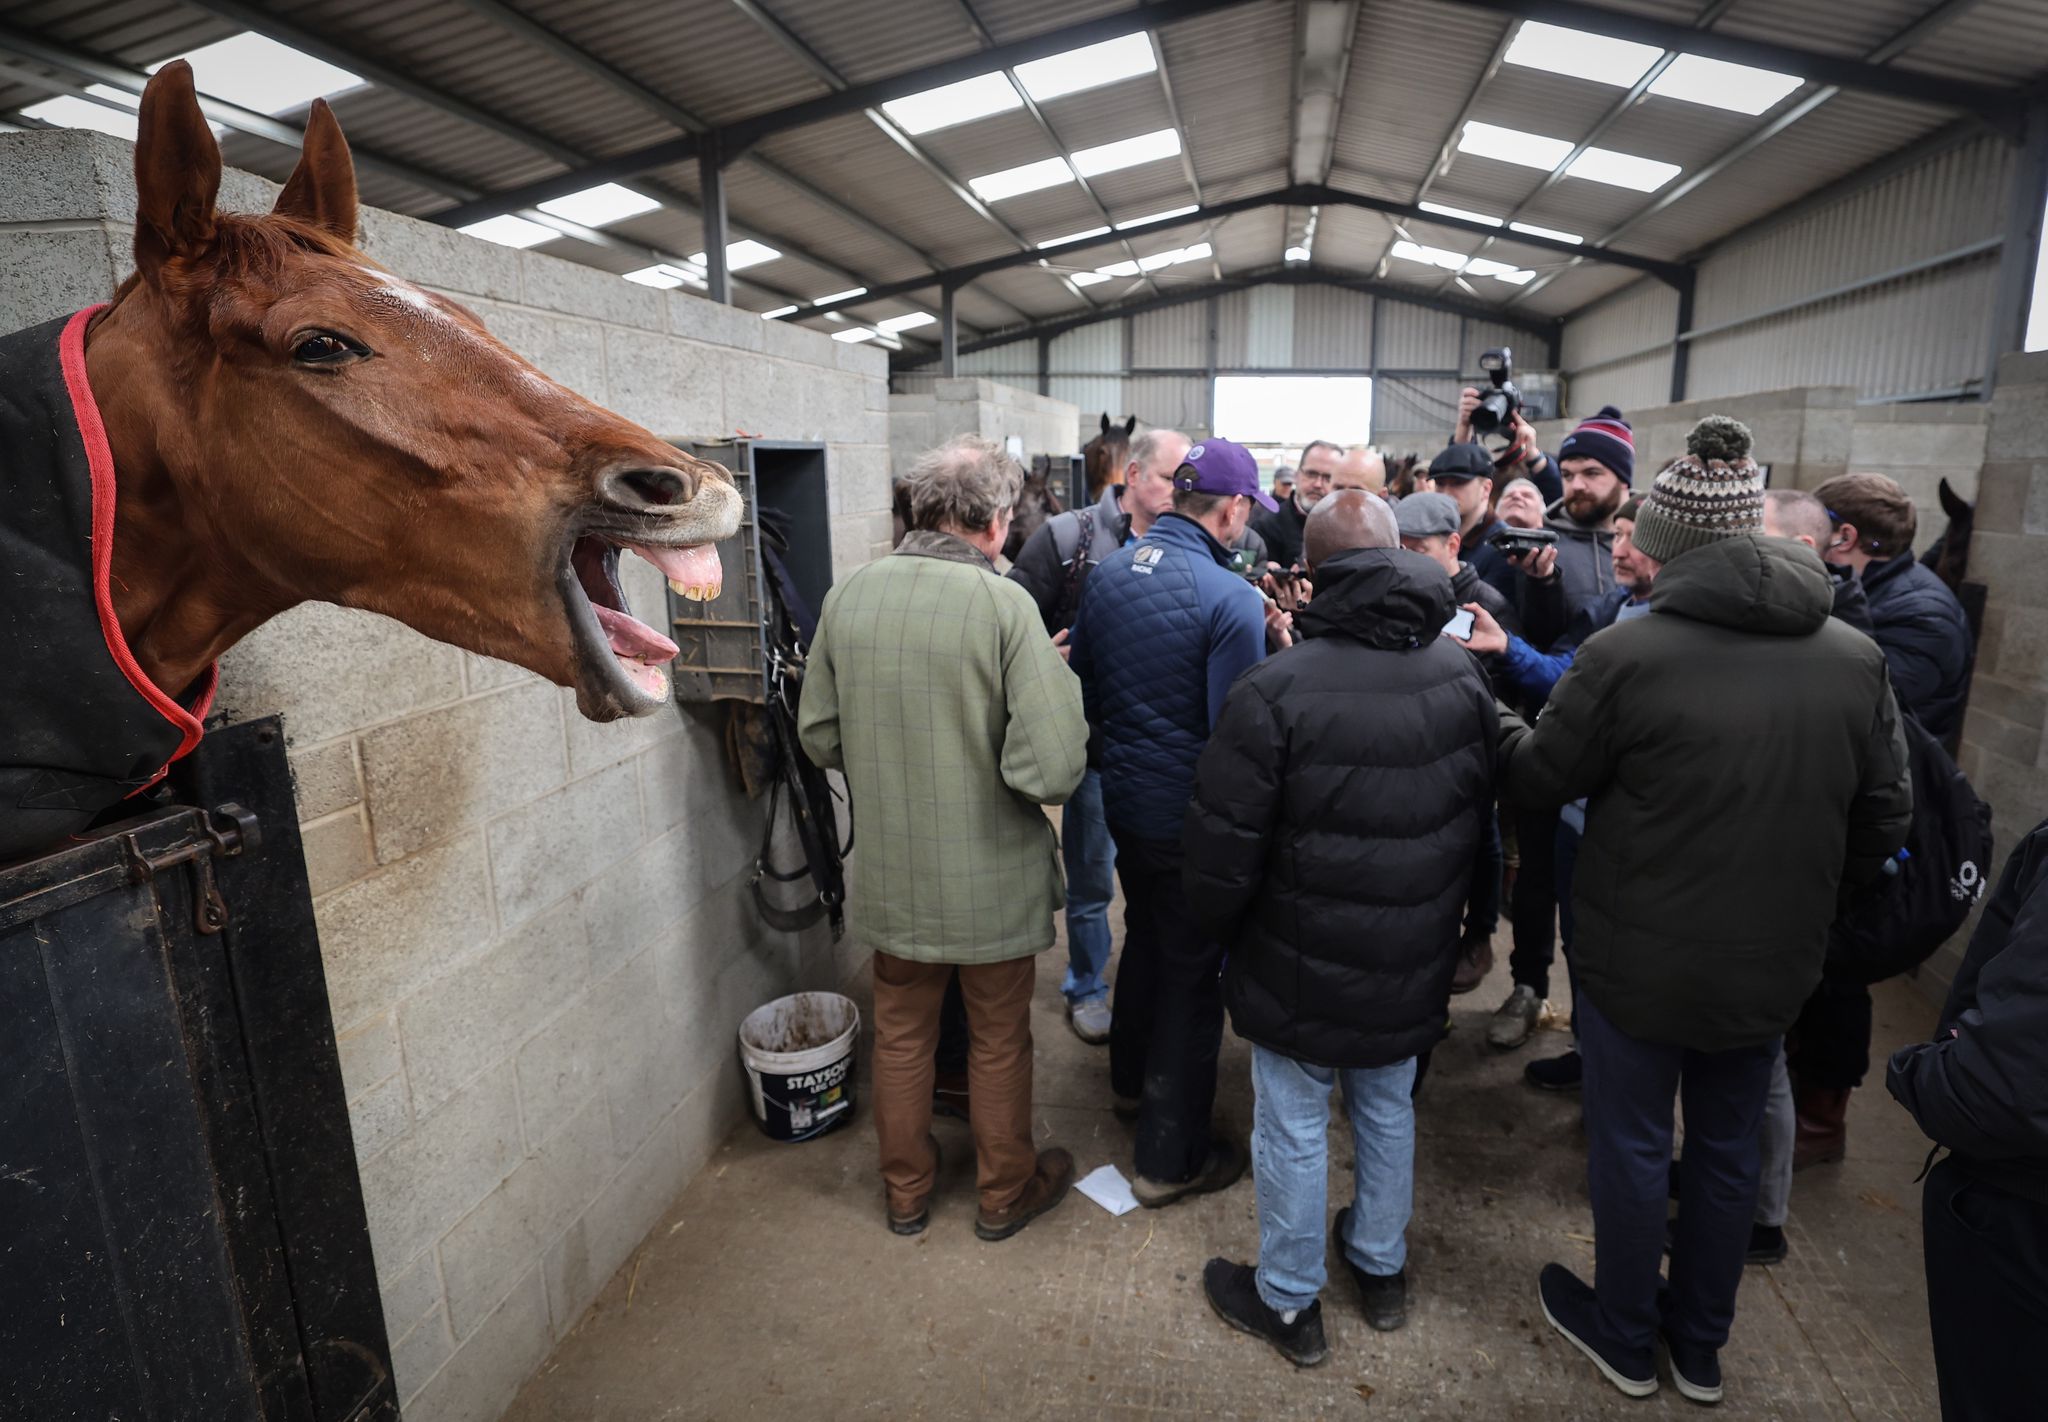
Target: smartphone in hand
<point>1460,625</point>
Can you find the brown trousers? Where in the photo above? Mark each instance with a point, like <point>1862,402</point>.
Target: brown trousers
<point>907,998</point>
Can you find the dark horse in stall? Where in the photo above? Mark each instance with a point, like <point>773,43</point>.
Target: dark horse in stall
<point>269,418</point>
<point>1107,455</point>
<point>1949,557</point>
<point>1037,501</point>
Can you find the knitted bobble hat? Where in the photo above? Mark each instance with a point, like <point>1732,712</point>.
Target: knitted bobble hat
<point>1716,491</point>
<point>1606,437</point>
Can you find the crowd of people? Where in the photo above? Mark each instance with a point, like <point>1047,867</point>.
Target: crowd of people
<point>1323,739</point>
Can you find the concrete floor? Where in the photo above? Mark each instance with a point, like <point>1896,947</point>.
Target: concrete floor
<point>772,1288</point>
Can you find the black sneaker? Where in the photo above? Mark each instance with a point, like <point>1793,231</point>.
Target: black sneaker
<point>1384,1297</point>
<point>1695,1371</point>
<point>1560,1073</point>
<point>1233,1291</point>
<point>1766,1243</point>
<point>1569,1305</point>
<point>1223,1169</point>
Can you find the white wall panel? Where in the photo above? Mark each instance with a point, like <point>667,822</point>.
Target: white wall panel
<point>1097,395</point>
<point>1630,384</point>
<point>1482,336</point>
<point>1013,362</point>
<point>1332,328</point>
<point>1174,338</point>
<point>1417,338</point>
<point>1090,349</point>
<point>1179,402</point>
<point>1269,336</point>
<point>1233,329</point>
<point>1633,319</point>
<point>1411,414</point>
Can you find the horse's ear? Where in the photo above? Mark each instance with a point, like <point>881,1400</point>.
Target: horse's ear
<point>322,189</point>
<point>1953,503</point>
<point>177,172</point>
<point>1105,422</point>
<point>1130,425</point>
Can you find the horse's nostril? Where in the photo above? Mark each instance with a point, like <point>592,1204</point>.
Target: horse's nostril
<point>655,486</point>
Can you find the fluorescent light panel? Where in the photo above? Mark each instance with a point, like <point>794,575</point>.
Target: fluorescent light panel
<point>846,295</point>
<point>951,104</point>
<point>1088,278</point>
<point>1127,152</point>
<point>510,231</point>
<point>1089,67</point>
<point>1600,58</point>
<point>1465,213</point>
<point>1622,170</point>
<point>1551,232</point>
<point>261,74</point>
<point>906,323</point>
<point>854,336</point>
<point>1074,237</point>
<point>778,312</point>
<point>1157,216</point>
<point>742,254</point>
<point>1739,87</point>
<point>598,206</point>
<point>1026,178</point>
<point>1512,145</point>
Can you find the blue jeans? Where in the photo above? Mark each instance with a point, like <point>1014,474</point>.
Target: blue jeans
<point>1090,856</point>
<point>1631,1087</point>
<point>1291,1169</point>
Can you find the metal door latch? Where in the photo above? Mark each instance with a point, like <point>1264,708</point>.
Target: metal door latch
<point>227,830</point>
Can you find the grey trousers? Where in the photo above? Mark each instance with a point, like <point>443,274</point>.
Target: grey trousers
<point>1774,1190</point>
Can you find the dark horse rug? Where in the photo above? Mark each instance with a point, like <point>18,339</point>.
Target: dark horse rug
<point>82,727</point>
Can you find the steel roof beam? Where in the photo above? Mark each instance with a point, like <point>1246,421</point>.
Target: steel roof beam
<point>1269,276</point>
<point>1997,106</point>
<point>734,138</point>
<point>1300,195</point>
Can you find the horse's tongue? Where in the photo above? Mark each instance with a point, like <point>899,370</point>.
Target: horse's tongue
<point>693,572</point>
<point>633,639</point>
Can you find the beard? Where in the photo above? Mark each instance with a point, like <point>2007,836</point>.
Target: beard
<point>1307,503</point>
<point>1591,508</point>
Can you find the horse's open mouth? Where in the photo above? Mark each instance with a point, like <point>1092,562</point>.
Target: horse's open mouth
<point>622,663</point>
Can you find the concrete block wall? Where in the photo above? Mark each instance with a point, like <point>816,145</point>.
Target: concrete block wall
<point>1808,434</point>
<point>2005,735</point>
<point>970,405</point>
<point>537,932</point>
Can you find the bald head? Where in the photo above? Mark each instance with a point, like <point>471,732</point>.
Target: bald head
<point>1348,519</point>
<point>1361,468</point>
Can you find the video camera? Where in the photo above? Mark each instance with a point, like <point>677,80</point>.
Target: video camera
<point>1497,406</point>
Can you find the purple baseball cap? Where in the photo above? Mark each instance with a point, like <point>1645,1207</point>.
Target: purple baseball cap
<point>1217,466</point>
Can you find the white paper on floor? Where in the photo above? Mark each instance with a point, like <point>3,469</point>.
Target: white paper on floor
<point>1106,1186</point>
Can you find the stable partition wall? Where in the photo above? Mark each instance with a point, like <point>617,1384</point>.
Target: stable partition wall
<point>964,405</point>
<point>537,934</point>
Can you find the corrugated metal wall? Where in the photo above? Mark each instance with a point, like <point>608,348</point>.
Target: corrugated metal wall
<point>1417,338</point>
<point>1176,338</point>
<point>1333,329</point>
<point>1414,413</point>
<point>1922,332</point>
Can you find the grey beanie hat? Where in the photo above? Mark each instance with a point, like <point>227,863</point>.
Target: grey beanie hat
<point>1715,491</point>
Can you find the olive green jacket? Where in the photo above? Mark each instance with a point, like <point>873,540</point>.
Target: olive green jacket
<point>933,686</point>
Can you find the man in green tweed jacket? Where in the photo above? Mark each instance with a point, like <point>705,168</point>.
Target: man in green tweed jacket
<point>933,686</point>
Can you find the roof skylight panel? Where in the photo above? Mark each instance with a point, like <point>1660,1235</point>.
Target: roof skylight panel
<point>258,73</point>
<point>509,231</point>
<point>955,103</point>
<point>1090,67</point>
<point>1623,170</point>
<point>598,206</point>
<point>1512,145</point>
<point>1738,87</point>
<point>1600,58</point>
<point>1025,178</point>
<point>1465,213</point>
<point>1127,152</point>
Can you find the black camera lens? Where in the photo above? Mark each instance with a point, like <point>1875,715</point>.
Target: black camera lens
<point>1495,407</point>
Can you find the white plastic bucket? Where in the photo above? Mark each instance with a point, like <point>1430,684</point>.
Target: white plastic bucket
<point>798,1052</point>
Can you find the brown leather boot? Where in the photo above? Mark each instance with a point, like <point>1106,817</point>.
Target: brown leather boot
<point>1822,1136</point>
<point>1475,961</point>
<point>1046,1188</point>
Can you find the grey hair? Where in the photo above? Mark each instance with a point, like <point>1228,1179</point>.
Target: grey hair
<point>1145,447</point>
<point>966,482</point>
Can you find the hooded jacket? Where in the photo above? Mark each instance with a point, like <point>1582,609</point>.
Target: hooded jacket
<point>82,727</point>
<point>1337,818</point>
<point>1163,631</point>
<point>1743,756</point>
<point>1926,638</point>
<point>1585,563</point>
<point>1981,1086</point>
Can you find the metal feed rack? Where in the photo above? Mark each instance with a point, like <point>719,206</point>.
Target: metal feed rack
<point>723,643</point>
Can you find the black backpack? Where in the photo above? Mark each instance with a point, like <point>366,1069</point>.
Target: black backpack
<point>1929,889</point>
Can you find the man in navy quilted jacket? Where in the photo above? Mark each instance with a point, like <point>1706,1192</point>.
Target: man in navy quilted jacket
<point>1164,629</point>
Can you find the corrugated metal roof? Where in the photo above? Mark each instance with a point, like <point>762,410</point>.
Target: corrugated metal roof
<point>1413,67</point>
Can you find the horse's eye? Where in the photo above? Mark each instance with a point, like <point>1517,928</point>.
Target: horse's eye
<point>322,348</point>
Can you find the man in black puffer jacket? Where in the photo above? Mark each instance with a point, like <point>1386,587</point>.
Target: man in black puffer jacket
<point>1337,814</point>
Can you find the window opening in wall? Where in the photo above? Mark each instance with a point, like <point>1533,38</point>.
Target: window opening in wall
<point>1294,409</point>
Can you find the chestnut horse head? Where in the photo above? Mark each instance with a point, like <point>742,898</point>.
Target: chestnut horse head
<point>1107,455</point>
<point>289,422</point>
